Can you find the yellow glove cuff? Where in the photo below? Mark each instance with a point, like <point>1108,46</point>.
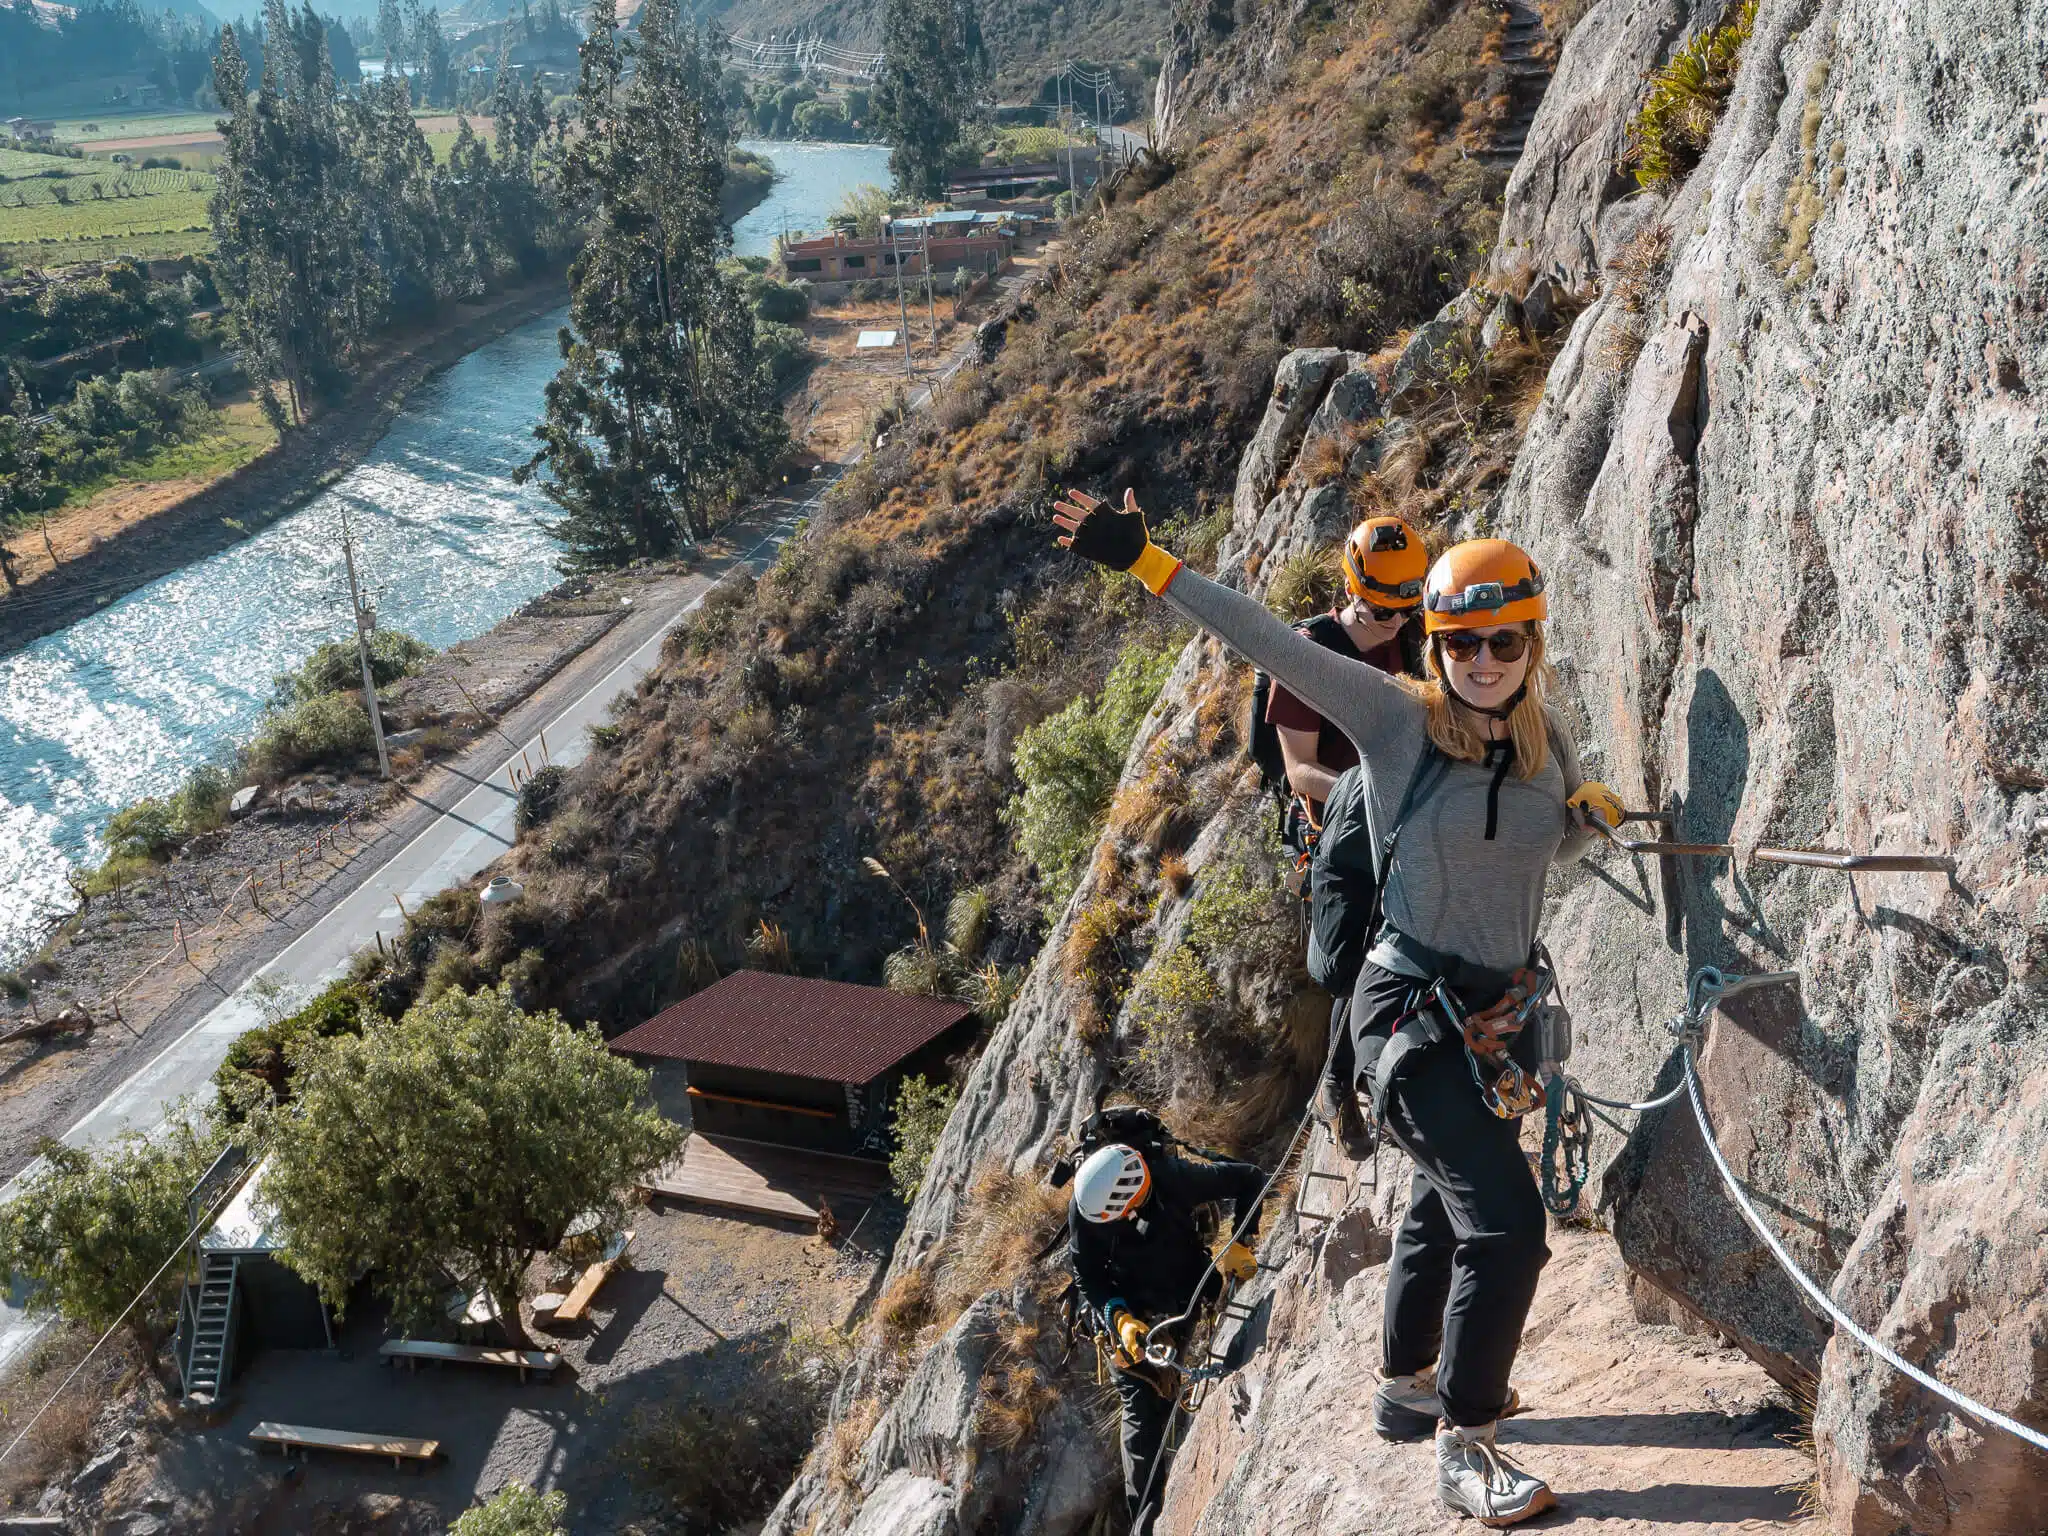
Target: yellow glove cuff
<point>1156,568</point>
<point>1598,800</point>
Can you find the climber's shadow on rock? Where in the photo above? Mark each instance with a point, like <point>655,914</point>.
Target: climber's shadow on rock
<point>1717,762</point>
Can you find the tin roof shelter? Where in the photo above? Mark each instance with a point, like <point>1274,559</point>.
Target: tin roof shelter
<point>766,1064</point>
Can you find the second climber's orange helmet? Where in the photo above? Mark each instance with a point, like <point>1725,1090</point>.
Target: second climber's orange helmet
<point>1384,563</point>
<point>1480,583</point>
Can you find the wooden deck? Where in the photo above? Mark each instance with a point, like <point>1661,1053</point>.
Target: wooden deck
<point>769,1180</point>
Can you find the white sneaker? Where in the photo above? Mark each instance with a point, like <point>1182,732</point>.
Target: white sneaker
<point>1407,1407</point>
<point>1475,1478</point>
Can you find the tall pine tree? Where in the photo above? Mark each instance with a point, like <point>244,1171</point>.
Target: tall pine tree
<point>934,70</point>
<point>661,414</point>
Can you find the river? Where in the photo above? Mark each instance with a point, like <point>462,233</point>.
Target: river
<point>124,704</point>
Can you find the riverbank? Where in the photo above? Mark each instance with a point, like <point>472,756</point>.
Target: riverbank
<point>108,547</point>
<point>189,930</point>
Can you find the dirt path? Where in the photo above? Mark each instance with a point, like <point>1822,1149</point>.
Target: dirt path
<point>103,559</point>
<point>1639,1426</point>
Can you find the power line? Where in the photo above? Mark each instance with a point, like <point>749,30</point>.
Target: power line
<point>138,1298</point>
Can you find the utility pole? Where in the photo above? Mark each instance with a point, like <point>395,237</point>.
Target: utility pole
<point>931,309</point>
<point>1067,138</point>
<point>902,310</point>
<point>363,626</point>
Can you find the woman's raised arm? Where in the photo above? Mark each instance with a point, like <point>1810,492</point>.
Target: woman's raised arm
<point>1361,700</point>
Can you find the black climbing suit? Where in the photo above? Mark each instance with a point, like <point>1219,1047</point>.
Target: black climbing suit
<point>1149,1266</point>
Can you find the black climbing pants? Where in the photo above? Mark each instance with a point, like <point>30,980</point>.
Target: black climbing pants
<point>1146,1413</point>
<point>1468,1256</point>
<point>1343,1060</point>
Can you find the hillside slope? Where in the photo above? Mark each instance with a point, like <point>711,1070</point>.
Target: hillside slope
<point>1784,472</point>
<point>1027,41</point>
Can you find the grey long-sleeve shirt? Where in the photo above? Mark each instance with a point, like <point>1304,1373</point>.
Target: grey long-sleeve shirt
<point>1468,873</point>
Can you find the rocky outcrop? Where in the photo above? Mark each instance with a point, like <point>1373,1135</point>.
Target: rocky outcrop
<point>1570,169</point>
<point>1794,543</point>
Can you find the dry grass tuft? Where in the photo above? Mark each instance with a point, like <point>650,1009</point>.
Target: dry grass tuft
<point>1324,458</point>
<point>63,1436</point>
<point>1015,1392</point>
<point>1307,584</point>
<point>1007,1219</point>
<point>1174,873</point>
<point>905,1309</point>
<point>849,1438</point>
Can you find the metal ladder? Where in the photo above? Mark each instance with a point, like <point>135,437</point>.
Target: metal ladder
<point>206,1357</point>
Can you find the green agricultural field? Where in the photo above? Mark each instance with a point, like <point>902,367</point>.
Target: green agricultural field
<point>85,131</point>
<point>49,234</point>
<point>55,210</point>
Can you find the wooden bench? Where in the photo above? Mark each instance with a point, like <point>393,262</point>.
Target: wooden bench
<point>413,1351</point>
<point>577,1307</point>
<point>291,1437</point>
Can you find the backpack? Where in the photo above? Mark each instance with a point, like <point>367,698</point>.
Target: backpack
<point>1129,1125</point>
<point>1347,874</point>
<point>1262,739</point>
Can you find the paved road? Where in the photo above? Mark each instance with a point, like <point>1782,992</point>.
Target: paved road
<point>464,839</point>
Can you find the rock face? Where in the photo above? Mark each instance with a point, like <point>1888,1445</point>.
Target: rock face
<point>1787,483</point>
<point>1794,544</point>
<point>1570,169</point>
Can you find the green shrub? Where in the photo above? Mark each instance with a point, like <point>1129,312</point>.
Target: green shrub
<point>783,350</point>
<point>1670,133</point>
<point>147,829</point>
<point>330,729</point>
<point>922,1110</point>
<point>260,1062</point>
<point>515,1510</point>
<point>773,299</point>
<point>1069,764</point>
<point>538,798</point>
<point>337,667</point>
<point>201,802</point>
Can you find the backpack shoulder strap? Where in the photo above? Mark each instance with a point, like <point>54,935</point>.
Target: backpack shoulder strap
<point>1432,767</point>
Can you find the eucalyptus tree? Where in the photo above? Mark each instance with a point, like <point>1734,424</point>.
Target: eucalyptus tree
<point>934,70</point>
<point>661,414</point>
<point>287,212</point>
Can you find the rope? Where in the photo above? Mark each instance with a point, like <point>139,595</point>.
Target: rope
<point>204,1221</point>
<point>1821,1299</point>
<point>1567,1147</point>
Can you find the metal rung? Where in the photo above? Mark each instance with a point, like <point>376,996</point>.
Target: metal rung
<point>1812,858</point>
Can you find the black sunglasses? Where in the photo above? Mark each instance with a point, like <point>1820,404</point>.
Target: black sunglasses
<point>1506,644</point>
<point>1381,615</point>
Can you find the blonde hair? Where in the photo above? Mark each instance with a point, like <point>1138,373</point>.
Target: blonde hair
<point>1528,725</point>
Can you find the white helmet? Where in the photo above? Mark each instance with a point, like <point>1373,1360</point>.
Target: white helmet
<point>1112,1183</point>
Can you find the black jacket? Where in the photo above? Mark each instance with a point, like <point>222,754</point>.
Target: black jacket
<point>1151,1263</point>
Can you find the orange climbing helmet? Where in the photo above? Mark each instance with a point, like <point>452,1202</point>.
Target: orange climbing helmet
<point>1384,563</point>
<point>1482,582</point>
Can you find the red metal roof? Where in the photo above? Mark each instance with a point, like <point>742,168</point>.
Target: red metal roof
<point>806,1028</point>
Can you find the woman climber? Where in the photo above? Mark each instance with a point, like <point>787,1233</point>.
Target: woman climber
<point>1479,776</point>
